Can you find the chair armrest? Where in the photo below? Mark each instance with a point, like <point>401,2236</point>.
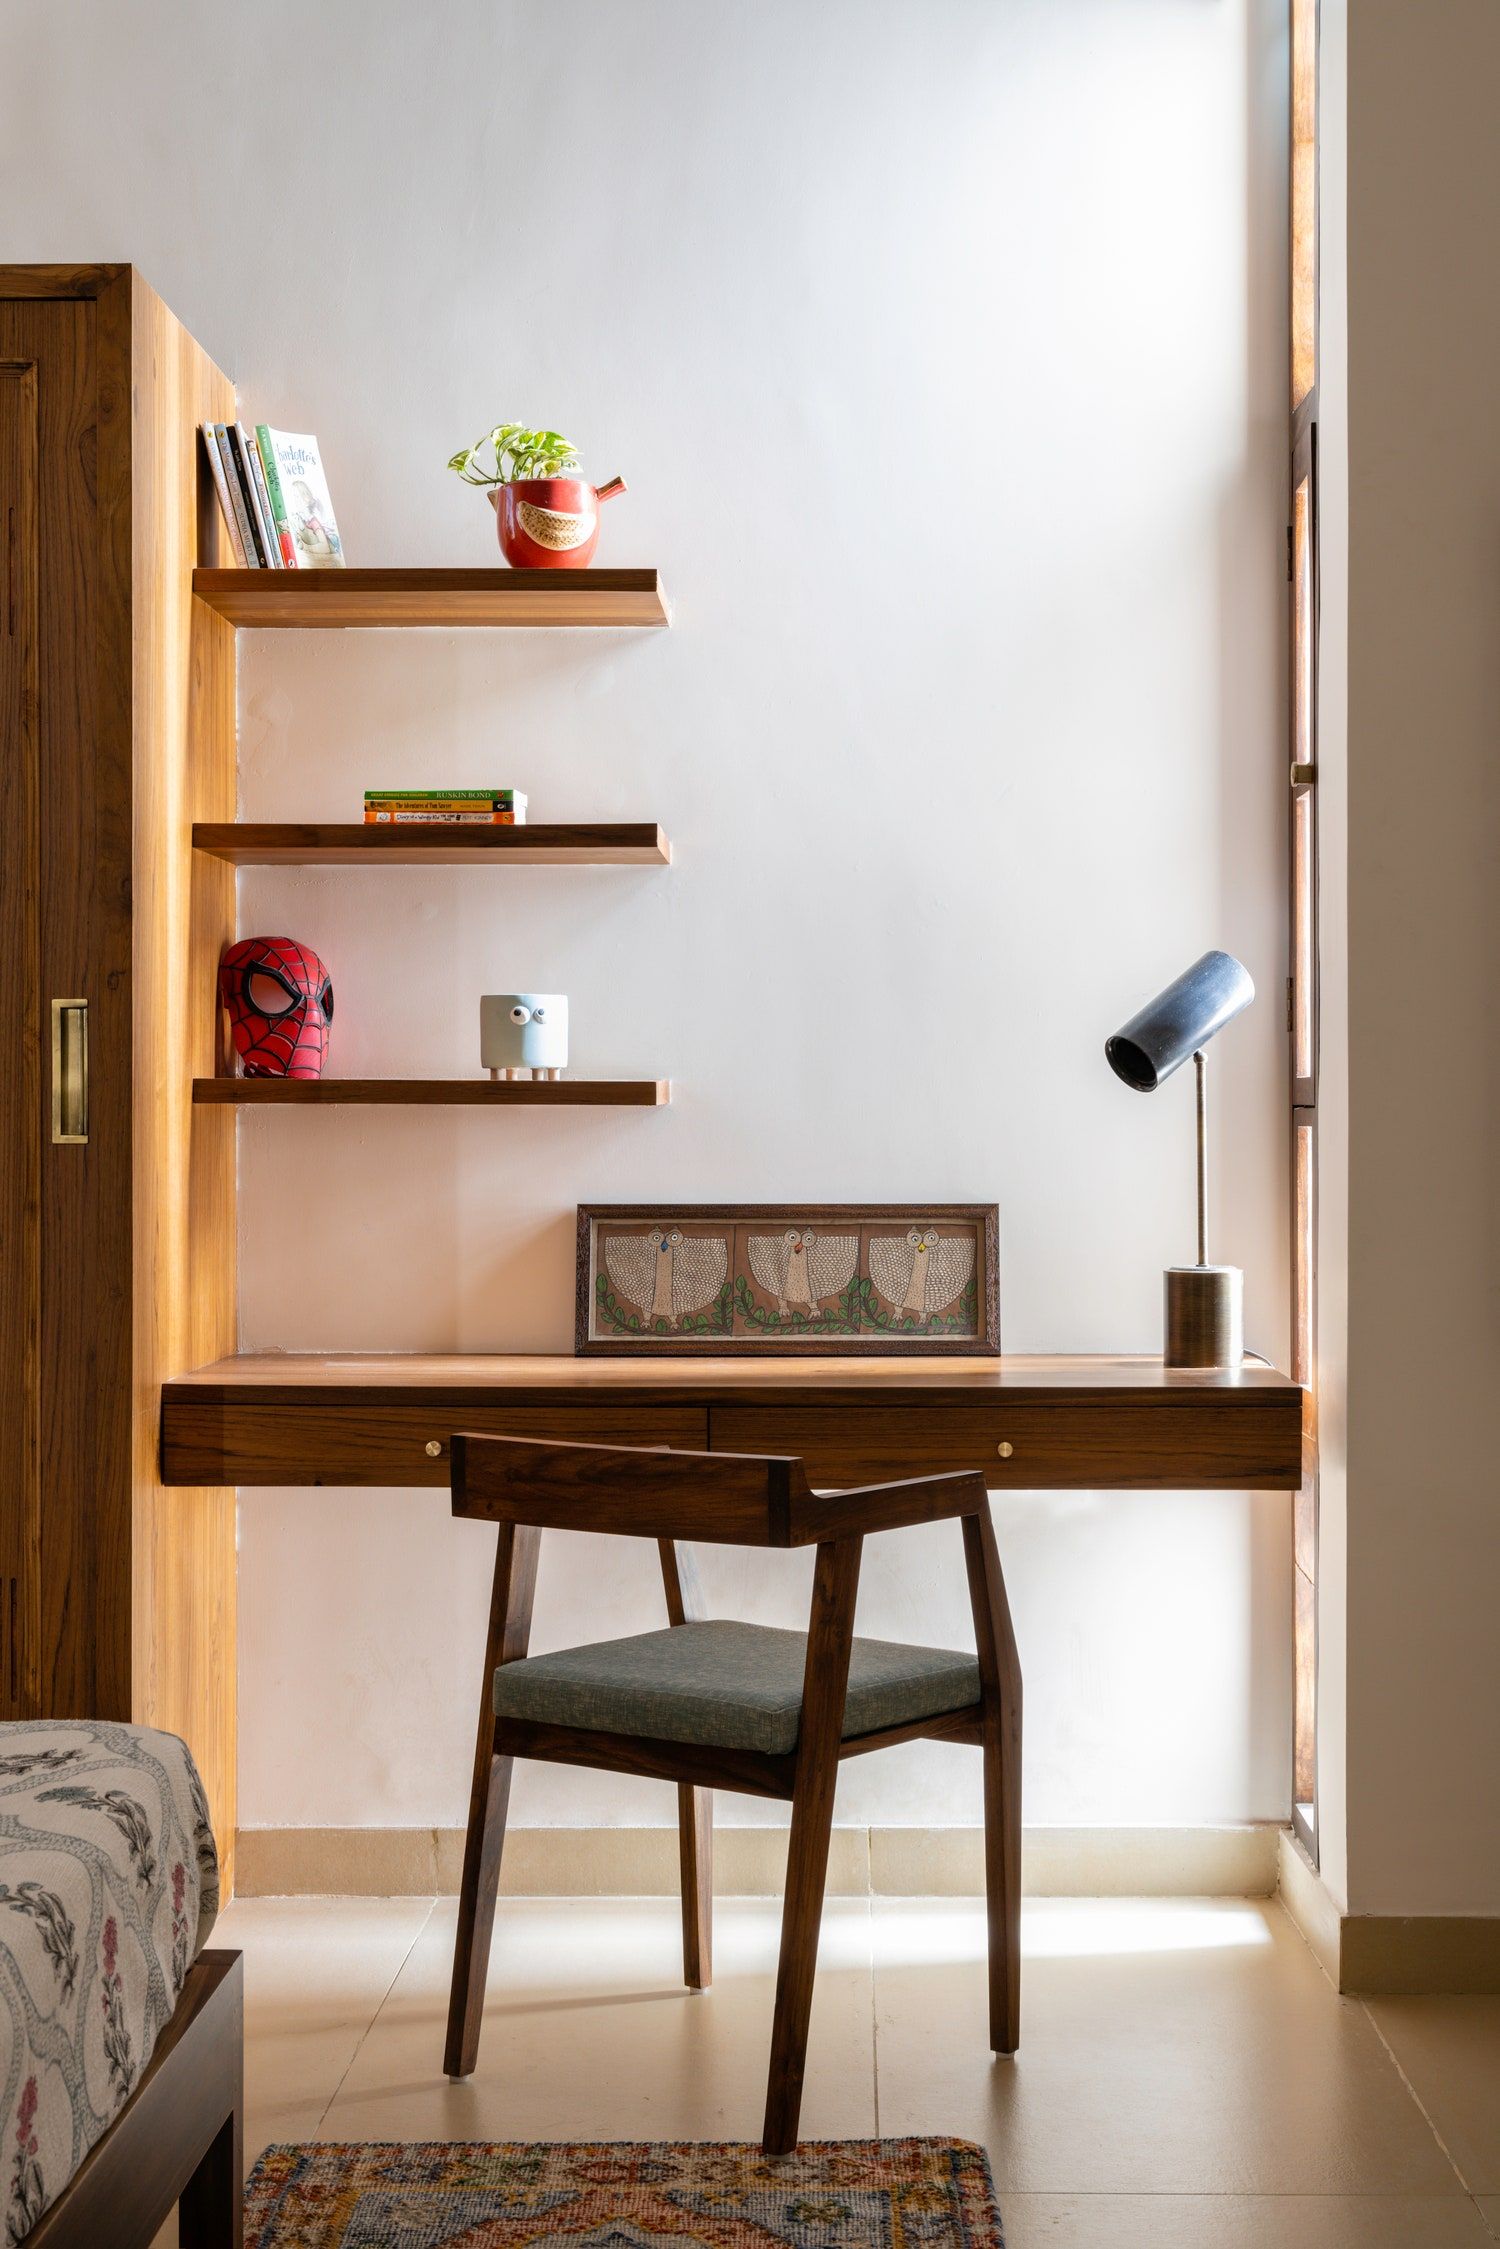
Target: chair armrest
<point>887,1507</point>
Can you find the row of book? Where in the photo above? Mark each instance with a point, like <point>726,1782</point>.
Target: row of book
<point>275,499</point>
<point>491,808</point>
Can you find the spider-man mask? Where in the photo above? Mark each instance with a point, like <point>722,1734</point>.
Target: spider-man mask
<point>280,1002</point>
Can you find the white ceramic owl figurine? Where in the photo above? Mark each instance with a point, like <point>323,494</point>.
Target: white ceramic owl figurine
<point>523,1031</point>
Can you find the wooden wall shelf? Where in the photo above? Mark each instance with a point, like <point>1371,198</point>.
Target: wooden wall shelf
<point>321,599</point>
<point>428,1093</point>
<point>618,843</point>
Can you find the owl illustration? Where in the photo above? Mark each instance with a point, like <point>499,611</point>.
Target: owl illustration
<point>667,1273</point>
<point>799,1268</point>
<point>920,1272</point>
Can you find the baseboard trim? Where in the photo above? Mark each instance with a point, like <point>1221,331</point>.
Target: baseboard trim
<point>751,1861</point>
<point>1378,1955</point>
<point>1307,1899</point>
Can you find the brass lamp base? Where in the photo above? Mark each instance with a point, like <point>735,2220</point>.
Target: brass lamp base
<point>1205,1316</point>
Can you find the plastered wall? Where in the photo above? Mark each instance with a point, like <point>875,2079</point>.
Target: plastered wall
<point>942,344</point>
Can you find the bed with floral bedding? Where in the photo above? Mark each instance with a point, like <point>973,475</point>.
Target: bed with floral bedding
<point>109,1885</point>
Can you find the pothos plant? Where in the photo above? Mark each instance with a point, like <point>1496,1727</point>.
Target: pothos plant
<point>517,454</point>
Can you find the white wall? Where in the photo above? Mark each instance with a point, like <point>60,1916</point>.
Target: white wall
<point>1423,1661</point>
<point>942,343</point>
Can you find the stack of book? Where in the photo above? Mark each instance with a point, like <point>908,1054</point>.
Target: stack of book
<point>275,498</point>
<point>492,808</point>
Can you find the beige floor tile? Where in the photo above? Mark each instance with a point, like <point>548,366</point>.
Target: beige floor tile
<point>588,2032</point>
<point>1241,2221</point>
<point>316,1971</point>
<point>1183,2047</point>
<point>1448,2049</point>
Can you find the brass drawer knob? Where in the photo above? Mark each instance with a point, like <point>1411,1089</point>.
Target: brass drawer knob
<point>434,1449</point>
<point>1005,1448</point>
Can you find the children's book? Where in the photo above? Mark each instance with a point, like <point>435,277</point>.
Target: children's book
<point>239,508</point>
<point>259,497</point>
<point>259,532</point>
<point>504,808</point>
<point>298,492</point>
<point>221,486</point>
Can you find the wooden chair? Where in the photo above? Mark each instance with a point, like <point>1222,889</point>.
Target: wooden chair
<point>736,1706</point>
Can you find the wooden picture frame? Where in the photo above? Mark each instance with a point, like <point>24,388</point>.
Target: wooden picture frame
<point>736,1280</point>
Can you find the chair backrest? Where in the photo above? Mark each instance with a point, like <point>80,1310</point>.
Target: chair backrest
<point>726,1499</point>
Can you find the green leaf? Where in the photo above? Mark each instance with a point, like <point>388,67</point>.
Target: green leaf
<point>519,452</point>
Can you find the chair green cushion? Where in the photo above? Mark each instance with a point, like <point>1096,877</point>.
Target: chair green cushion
<point>727,1686</point>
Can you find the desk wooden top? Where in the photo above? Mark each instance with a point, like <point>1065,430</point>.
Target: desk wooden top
<point>289,1376</point>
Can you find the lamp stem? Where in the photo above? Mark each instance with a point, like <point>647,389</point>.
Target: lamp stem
<point>1198,1067</point>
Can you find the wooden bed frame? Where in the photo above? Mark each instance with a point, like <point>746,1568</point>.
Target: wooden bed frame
<point>178,2139</point>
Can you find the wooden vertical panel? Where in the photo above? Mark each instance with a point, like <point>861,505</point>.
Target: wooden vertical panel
<point>183,668</point>
<point>118,734</point>
<point>1304,197</point>
<point>1303,1029</point>
<point>1303,987</point>
<point>1305,1702</point>
<point>22,1031</point>
<point>1305,1503</point>
<point>1303,637</point>
<point>1304,1244</point>
<point>79,950</point>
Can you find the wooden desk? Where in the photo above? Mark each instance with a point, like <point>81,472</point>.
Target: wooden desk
<point>1033,1424</point>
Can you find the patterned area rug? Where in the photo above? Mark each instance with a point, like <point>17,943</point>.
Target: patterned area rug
<point>455,2194</point>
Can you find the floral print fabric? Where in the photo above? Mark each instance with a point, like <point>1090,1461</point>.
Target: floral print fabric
<point>109,1884</point>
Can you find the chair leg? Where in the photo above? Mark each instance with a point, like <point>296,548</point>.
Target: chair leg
<point>695,1841</point>
<point>211,2207</point>
<point>489,1800</point>
<point>1000,1674</point>
<point>476,1920</point>
<point>825,1681</point>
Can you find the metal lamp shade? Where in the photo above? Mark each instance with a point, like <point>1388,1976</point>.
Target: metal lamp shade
<point>1204,1304</point>
<point>1180,1021</point>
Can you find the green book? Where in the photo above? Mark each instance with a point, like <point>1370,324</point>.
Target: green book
<point>267,452</point>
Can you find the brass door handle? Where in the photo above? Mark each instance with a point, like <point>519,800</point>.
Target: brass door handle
<point>434,1449</point>
<point>70,1072</point>
<point>1005,1448</point>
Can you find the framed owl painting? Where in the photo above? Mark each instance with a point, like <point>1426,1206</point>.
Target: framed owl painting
<point>788,1278</point>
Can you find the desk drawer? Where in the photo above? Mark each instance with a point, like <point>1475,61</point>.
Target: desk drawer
<point>250,1441</point>
<point>1234,1440</point>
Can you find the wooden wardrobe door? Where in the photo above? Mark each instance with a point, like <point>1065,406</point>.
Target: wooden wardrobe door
<point>66,1347</point>
<point>20,1047</point>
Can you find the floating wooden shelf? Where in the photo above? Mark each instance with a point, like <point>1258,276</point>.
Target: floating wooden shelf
<point>618,843</point>
<point>426,1093</point>
<point>337,598</point>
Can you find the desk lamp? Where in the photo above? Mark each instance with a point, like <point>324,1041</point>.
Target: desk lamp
<point>1205,1304</point>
